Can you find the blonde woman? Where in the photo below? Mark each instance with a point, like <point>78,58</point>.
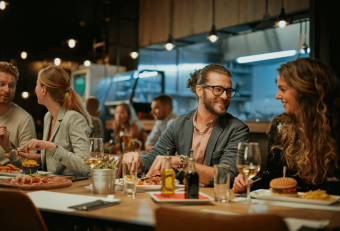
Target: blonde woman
<point>306,137</point>
<point>66,126</point>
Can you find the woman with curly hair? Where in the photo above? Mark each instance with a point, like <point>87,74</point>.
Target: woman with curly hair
<point>306,137</point>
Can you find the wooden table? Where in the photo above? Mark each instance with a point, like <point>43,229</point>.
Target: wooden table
<point>138,213</point>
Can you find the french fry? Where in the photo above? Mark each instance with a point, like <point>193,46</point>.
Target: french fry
<point>317,195</point>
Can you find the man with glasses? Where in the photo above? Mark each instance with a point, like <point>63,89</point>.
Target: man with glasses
<point>211,132</point>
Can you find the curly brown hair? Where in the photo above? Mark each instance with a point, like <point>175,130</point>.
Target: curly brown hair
<point>57,82</point>
<point>310,137</point>
<point>9,69</point>
<point>201,76</point>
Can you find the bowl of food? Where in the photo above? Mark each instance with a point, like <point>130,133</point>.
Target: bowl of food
<point>30,166</point>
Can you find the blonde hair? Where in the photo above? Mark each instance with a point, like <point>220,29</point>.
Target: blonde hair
<point>57,83</point>
<point>310,137</point>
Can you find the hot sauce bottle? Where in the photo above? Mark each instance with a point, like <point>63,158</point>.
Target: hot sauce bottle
<point>191,179</point>
<point>168,178</point>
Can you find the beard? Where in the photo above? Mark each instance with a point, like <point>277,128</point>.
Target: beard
<point>209,105</point>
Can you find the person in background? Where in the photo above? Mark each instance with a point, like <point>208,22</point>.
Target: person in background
<point>16,125</point>
<point>92,106</point>
<point>125,121</point>
<point>66,126</point>
<point>305,138</point>
<point>211,132</point>
<point>161,109</point>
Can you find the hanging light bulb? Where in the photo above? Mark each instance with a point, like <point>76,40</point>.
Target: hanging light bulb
<point>305,46</point>
<point>87,63</point>
<point>213,35</point>
<point>3,5</point>
<point>25,94</point>
<point>23,55</point>
<point>134,54</point>
<point>71,43</point>
<point>57,61</point>
<point>282,20</point>
<point>169,44</point>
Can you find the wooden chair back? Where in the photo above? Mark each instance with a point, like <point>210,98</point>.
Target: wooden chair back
<point>169,219</point>
<point>19,212</point>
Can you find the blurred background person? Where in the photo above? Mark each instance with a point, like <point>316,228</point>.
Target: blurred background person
<point>92,106</point>
<point>306,137</point>
<point>66,126</point>
<point>126,120</point>
<point>161,110</point>
<point>16,125</point>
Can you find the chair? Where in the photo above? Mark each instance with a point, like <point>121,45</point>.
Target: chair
<point>169,219</point>
<point>19,213</point>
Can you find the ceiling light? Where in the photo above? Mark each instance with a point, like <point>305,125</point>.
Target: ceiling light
<point>282,20</point>
<point>25,94</point>
<point>134,54</point>
<point>213,33</point>
<point>266,56</point>
<point>57,61</point>
<point>305,46</point>
<point>3,5</point>
<point>23,55</point>
<point>71,43</point>
<point>87,63</point>
<point>169,45</point>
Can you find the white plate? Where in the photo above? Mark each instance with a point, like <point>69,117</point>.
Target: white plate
<point>148,187</point>
<point>42,173</point>
<point>266,195</point>
<point>182,201</point>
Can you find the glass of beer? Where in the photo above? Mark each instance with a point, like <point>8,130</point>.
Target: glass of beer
<point>97,152</point>
<point>248,162</point>
<point>125,141</point>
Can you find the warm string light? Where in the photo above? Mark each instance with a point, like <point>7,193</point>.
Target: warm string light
<point>25,94</point>
<point>71,43</point>
<point>23,55</point>
<point>57,61</point>
<point>3,5</point>
<point>134,54</point>
<point>87,63</point>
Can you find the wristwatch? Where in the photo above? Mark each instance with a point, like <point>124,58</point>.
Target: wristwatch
<point>55,149</point>
<point>184,162</point>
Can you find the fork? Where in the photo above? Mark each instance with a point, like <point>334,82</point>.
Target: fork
<point>323,225</point>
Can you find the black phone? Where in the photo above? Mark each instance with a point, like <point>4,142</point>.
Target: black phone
<point>76,178</point>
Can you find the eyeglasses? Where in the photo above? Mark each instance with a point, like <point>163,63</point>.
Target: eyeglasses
<point>218,91</point>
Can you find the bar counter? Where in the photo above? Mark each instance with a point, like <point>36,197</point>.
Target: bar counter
<point>138,213</point>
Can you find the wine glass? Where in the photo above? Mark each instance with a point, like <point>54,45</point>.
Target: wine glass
<point>248,162</point>
<point>97,154</point>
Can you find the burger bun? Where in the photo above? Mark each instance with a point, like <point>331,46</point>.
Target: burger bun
<point>286,182</point>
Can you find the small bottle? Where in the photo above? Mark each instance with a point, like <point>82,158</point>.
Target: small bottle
<point>191,179</point>
<point>168,178</point>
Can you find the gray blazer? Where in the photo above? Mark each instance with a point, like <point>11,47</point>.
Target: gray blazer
<point>71,134</point>
<point>228,131</point>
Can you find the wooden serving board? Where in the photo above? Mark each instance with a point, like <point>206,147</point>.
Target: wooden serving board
<point>3,183</point>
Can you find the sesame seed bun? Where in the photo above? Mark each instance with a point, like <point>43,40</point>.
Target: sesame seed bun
<point>286,182</point>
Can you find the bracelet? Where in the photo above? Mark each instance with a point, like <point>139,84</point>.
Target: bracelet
<point>184,162</point>
<point>55,149</point>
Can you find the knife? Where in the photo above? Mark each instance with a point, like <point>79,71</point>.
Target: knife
<point>14,148</point>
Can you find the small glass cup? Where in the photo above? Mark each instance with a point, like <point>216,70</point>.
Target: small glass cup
<point>129,173</point>
<point>221,182</point>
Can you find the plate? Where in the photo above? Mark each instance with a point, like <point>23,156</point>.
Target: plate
<point>148,187</point>
<point>42,173</point>
<point>266,195</point>
<point>179,198</point>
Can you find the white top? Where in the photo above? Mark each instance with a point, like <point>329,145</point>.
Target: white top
<point>21,127</point>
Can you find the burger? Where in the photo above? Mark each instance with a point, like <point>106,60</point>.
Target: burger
<point>283,187</point>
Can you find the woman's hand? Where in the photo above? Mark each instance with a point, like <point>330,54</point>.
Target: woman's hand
<point>35,144</point>
<point>240,183</point>
<point>29,155</point>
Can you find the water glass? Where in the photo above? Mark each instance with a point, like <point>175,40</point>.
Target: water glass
<point>129,173</point>
<point>221,182</point>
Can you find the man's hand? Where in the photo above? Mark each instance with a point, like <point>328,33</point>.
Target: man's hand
<point>158,165</point>
<point>4,140</point>
<point>240,183</point>
<point>35,144</point>
<point>130,157</point>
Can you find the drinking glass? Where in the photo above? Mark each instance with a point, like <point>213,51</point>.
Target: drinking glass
<point>97,154</point>
<point>221,182</point>
<point>129,172</point>
<point>248,162</point>
<point>125,141</point>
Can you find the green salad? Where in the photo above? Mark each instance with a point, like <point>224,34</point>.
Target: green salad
<point>104,165</point>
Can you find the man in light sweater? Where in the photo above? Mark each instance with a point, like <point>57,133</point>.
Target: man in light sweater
<point>16,125</point>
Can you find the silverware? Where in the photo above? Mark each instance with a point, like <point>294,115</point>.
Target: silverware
<point>256,180</point>
<point>14,148</point>
<point>147,177</point>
